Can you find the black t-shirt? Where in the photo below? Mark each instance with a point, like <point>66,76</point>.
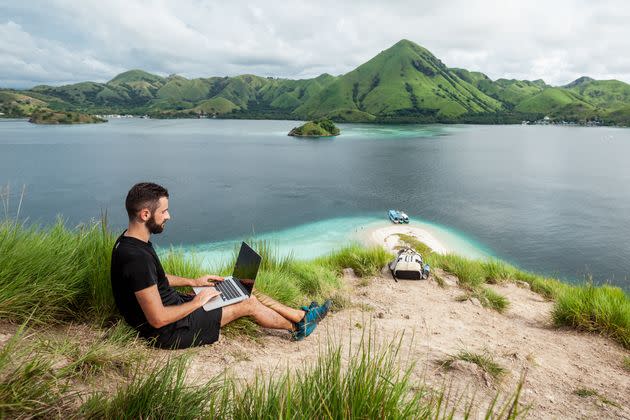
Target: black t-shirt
<point>136,266</point>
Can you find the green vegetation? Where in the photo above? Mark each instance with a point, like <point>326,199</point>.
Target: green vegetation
<point>605,310</point>
<point>370,385</point>
<point>483,360</point>
<point>318,128</point>
<point>47,116</point>
<point>39,375</point>
<point>64,273</point>
<point>405,83</point>
<point>626,363</point>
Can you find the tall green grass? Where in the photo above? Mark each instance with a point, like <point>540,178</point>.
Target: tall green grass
<point>604,310</point>
<point>65,273</point>
<point>363,261</point>
<point>368,382</point>
<point>62,273</point>
<point>28,386</point>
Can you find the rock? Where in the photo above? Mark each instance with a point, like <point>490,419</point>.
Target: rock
<point>522,284</point>
<point>349,273</point>
<point>380,315</point>
<point>475,301</point>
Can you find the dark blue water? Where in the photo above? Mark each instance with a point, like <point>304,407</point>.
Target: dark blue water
<point>551,199</point>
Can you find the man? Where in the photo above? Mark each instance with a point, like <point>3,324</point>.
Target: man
<point>145,296</point>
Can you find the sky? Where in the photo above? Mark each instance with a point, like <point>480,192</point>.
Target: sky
<point>61,41</point>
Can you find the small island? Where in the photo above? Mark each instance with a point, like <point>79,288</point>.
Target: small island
<point>318,128</point>
<point>47,116</point>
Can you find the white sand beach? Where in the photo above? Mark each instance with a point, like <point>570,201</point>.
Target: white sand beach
<point>386,234</point>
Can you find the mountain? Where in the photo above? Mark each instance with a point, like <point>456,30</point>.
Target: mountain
<point>509,92</point>
<point>404,80</point>
<point>404,83</point>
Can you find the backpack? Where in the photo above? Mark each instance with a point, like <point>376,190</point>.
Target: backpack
<point>408,265</point>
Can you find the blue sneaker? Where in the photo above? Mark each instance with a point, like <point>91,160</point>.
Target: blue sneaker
<point>307,325</point>
<point>311,306</point>
<point>316,314</point>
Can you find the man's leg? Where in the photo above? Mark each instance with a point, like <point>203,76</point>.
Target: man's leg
<point>264,316</point>
<point>291,314</point>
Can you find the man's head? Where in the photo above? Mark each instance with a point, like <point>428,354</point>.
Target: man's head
<point>147,203</point>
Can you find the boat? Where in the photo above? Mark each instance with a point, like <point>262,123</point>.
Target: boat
<point>397,216</point>
<point>394,216</point>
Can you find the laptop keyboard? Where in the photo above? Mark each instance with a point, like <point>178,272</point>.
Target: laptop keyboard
<point>228,290</point>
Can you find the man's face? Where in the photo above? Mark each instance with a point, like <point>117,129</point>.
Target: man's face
<point>158,219</point>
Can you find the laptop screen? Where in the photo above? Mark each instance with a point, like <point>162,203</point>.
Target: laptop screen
<point>246,267</point>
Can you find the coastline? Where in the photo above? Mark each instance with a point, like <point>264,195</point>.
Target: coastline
<point>316,239</point>
<point>439,238</point>
<point>387,236</point>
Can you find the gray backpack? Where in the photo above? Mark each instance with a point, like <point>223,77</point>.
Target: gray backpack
<point>408,265</point>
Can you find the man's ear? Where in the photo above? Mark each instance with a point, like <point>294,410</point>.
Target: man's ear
<point>145,214</point>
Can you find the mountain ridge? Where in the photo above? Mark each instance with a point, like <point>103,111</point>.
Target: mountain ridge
<point>404,83</point>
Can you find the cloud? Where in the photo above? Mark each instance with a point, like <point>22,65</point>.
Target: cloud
<point>60,41</point>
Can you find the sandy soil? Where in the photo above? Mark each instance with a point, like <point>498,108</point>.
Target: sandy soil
<point>433,324</point>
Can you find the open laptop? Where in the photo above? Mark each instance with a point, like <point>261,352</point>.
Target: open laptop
<point>240,284</point>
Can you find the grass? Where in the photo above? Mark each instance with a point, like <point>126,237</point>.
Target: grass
<point>38,375</point>
<point>364,261</point>
<point>589,392</point>
<point>604,310</point>
<point>63,273</point>
<point>483,360</point>
<point>28,386</point>
<point>161,394</point>
<point>367,382</point>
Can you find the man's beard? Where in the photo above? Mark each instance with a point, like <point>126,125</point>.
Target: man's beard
<point>153,227</point>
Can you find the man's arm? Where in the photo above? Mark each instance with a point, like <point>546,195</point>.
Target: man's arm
<point>203,281</point>
<point>159,315</point>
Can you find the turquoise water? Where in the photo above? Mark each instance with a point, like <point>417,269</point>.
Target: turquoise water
<point>316,239</point>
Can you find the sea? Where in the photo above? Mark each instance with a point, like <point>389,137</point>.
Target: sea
<point>554,200</point>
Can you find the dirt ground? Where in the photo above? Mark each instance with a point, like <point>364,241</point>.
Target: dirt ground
<point>434,325</point>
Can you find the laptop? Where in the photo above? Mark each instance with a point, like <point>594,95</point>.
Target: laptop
<point>240,284</point>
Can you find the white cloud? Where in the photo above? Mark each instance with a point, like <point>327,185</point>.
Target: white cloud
<point>60,41</point>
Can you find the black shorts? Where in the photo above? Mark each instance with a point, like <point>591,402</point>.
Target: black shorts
<point>203,328</point>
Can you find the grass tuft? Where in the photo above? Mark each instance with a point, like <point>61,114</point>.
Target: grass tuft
<point>491,299</point>
<point>604,310</point>
<point>162,394</point>
<point>28,386</point>
<point>483,360</point>
<point>364,261</point>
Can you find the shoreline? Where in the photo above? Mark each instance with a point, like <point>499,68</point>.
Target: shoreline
<point>387,236</point>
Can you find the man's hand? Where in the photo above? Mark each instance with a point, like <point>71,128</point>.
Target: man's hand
<point>207,280</point>
<point>205,295</point>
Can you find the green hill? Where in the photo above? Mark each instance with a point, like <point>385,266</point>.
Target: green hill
<point>509,92</point>
<point>404,80</point>
<point>610,94</point>
<point>404,83</point>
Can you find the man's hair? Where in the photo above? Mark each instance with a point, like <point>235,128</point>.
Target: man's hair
<point>144,195</point>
